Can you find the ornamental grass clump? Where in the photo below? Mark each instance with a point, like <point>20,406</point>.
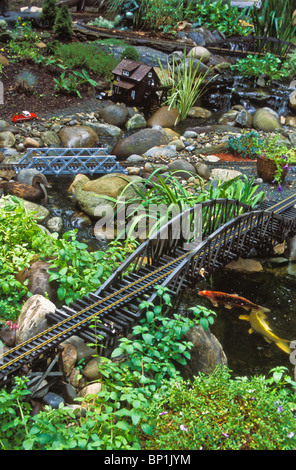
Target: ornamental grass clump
<point>187,83</point>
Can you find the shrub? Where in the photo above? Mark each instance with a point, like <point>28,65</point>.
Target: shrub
<point>49,12</point>
<point>130,53</point>
<point>63,23</point>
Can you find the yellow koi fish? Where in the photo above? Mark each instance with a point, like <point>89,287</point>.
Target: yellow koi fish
<point>258,323</point>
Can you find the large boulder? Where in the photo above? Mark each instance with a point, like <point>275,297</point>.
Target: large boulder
<point>266,120</point>
<point>78,137</point>
<point>93,196</point>
<point>206,353</point>
<point>200,53</point>
<point>139,143</point>
<point>7,139</point>
<point>32,319</point>
<point>182,168</point>
<point>165,116</point>
<point>114,114</point>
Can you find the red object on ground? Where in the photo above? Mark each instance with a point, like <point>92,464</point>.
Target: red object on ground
<point>24,116</point>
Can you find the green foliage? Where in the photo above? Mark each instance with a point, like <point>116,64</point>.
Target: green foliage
<point>116,414</point>
<point>240,188</point>
<point>75,270</point>
<point>273,148</point>
<point>204,316</point>
<point>186,83</point>
<point>24,42</point>
<point>48,13</point>
<point>63,23</point>
<point>162,14</point>
<point>268,65</point>
<point>130,53</point>
<point>273,20</point>
<point>217,412</point>
<point>71,83</point>
<point>218,14</point>
<point>86,56</point>
<point>246,145</point>
<point>101,22</point>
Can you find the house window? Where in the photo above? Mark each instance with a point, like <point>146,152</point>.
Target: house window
<point>125,73</point>
<point>150,74</point>
<point>133,94</point>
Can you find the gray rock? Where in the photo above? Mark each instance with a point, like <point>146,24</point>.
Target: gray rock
<point>202,170</point>
<point>50,138</point>
<point>114,114</point>
<point>53,399</point>
<point>266,120</point>
<point>55,224</point>
<point>7,139</point>
<point>136,122</point>
<point>139,143</point>
<point>78,137</point>
<point>104,130</point>
<point>32,319</point>
<point>206,354</point>
<point>182,168</point>
<point>135,158</point>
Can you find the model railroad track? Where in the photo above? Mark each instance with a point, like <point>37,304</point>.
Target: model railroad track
<point>102,318</point>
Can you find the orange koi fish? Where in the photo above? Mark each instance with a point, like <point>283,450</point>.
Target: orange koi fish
<point>230,300</point>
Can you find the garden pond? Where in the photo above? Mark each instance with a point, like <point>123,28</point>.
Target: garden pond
<point>273,288</point>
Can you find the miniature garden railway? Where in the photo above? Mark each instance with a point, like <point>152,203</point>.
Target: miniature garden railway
<point>229,229</point>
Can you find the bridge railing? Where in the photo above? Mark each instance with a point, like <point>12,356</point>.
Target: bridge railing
<point>180,235</point>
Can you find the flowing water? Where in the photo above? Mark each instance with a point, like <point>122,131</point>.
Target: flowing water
<point>274,288</point>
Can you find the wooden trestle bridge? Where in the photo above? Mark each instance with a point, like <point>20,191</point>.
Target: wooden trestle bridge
<point>229,229</point>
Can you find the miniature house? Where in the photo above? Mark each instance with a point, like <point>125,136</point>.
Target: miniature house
<point>134,82</point>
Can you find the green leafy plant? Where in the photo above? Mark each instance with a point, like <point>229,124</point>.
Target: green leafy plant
<point>218,14</point>
<point>75,269</point>
<point>254,67</point>
<point>101,22</point>
<point>162,14</point>
<point>86,56</point>
<point>218,412</point>
<point>203,315</point>
<point>71,82</point>
<point>130,53</point>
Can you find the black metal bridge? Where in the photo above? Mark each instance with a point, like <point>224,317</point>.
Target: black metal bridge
<point>170,258</point>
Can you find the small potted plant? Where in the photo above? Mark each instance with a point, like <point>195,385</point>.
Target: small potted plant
<point>273,160</point>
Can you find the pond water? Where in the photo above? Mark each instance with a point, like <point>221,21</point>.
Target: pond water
<point>62,204</point>
<point>274,288</point>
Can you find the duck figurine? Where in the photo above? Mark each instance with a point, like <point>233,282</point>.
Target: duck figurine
<point>31,192</point>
